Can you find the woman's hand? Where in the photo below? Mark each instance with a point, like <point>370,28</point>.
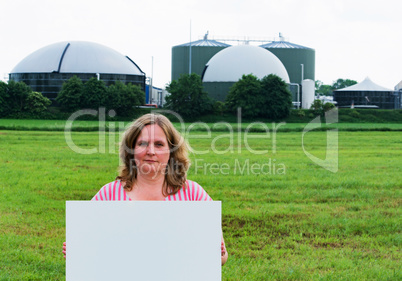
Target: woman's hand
<point>64,249</point>
<point>224,253</point>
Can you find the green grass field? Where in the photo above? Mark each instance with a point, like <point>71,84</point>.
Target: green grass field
<point>284,217</point>
<point>112,126</point>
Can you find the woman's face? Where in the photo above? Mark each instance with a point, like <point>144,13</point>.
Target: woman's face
<point>151,150</point>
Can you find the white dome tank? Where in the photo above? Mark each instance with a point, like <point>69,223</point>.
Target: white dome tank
<point>230,64</point>
<point>77,57</point>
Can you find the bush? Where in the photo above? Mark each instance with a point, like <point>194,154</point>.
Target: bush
<point>219,108</point>
<point>328,106</point>
<point>69,98</point>
<point>129,97</point>
<point>187,96</point>
<point>266,98</point>
<point>18,100</point>
<point>17,93</point>
<point>36,103</point>
<point>317,107</point>
<point>300,113</point>
<point>355,114</point>
<point>245,94</point>
<point>3,99</point>
<point>277,100</point>
<point>371,118</point>
<point>93,94</point>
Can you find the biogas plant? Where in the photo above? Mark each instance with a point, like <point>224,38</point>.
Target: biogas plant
<point>220,64</point>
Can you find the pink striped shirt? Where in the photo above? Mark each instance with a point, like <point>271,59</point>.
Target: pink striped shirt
<point>114,191</point>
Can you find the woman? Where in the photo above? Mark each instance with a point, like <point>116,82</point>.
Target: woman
<point>154,167</point>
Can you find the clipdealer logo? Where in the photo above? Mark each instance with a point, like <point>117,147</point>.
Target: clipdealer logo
<point>330,162</point>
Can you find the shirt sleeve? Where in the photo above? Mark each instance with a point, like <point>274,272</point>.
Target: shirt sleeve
<point>191,191</point>
<point>110,192</point>
<point>196,192</point>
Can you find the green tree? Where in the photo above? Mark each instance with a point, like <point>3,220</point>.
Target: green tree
<point>17,99</point>
<point>93,94</point>
<point>69,98</point>
<point>113,95</point>
<point>136,91</point>
<point>124,98</point>
<point>343,83</point>
<point>187,96</point>
<point>131,96</point>
<point>322,89</point>
<point>327,90</point>
<point>317,107</point>
<point>4,107</point>
<point>276,99</point>
<point>328,106</point>
<point>17,94</point>
<point>245,94</point>
<point>218,107</point>
<point>36,103</point>
<point>268,97</point>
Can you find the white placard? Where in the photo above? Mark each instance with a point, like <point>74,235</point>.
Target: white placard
<point>143,240</point>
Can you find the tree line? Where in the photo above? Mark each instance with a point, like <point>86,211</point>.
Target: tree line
<point>265,98</point>
<point>327,90</point>
<point>268,97</point>
<point>17,100</point>
<point>94,93</point>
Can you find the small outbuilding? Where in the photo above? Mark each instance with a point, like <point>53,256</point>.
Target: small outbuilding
<point>367,94</point>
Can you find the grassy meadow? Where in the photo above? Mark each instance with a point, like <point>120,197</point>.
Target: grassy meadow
<point>284,217</point>
<point>113,126</point>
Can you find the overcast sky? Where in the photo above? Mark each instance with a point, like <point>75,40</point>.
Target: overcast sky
<point>352,39</point>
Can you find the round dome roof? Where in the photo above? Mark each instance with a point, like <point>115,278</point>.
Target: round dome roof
<point>230,64</point>
<point>77,57</point>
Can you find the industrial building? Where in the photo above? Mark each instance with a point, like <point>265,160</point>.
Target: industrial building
<point>367,94</point>
<point>46,69</point>
<point>220,68</point>
<point>155,96</point>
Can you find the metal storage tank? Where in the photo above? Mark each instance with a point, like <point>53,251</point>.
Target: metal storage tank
<point>201,52</point>
<point>46,69</point>
<point>308,91</point>
<point>293,56</point>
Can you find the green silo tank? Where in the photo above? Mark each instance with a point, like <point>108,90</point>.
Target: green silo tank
<point>298,60</point>
<point>201,52</point>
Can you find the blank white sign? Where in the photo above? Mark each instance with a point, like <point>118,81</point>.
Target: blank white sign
<point>143,240</point>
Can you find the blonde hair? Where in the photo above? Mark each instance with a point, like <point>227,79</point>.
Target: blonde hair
<point>178,164</point>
